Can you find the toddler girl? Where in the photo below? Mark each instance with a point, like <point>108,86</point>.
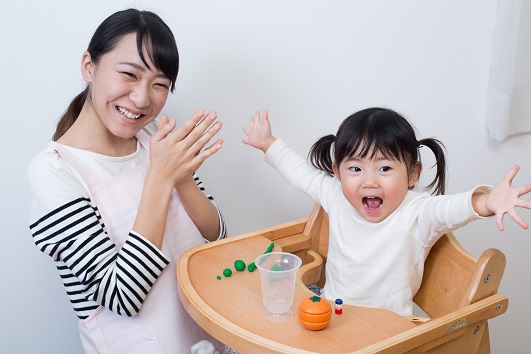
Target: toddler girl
<point>381,229</point>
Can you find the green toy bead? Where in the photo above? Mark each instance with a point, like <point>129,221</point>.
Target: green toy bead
<point>239,265</point>
<point>270,248</point>
<point>227,272</point>
<point>251,267</point>
<point>218,277</point>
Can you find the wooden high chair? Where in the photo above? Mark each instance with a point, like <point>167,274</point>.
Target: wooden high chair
<point>458,291</point>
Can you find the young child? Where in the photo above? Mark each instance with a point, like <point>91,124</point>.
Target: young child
<point>381,230</point>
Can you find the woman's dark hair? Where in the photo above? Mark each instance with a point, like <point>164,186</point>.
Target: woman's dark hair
<point>151,32</point>
<point>378,130</point>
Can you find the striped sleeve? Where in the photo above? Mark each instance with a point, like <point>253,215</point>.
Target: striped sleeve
<point>74,235</point>
<point>222,226</point>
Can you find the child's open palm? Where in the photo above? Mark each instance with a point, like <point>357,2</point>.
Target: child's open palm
<point>259,132</point>
<point>504,198</point>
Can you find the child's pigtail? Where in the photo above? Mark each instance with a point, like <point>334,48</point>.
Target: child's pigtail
<point>320,154</point>
<point>438,149</point>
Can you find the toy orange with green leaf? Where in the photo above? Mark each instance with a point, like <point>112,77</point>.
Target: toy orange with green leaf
<point>314,313</point>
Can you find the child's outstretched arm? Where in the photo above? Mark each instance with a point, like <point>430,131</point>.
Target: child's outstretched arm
<point>503,199</point>
<point>259,132</point>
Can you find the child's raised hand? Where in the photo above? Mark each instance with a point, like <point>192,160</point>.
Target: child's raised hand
<point>504,198</point>
<point>259,132</point>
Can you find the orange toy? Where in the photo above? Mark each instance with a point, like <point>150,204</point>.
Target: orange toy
<point>314,313</point>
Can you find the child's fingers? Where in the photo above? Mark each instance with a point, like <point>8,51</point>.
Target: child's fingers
<point>256,120</point>
<point>265,117</point>
<point>499,221</point>
<point>514,215</point>
<point>523,204</point>
<point>522,190</point>
<point>511,174</point>
<point>259,120</point>
<point>246,132</point>
<point>258,130</point>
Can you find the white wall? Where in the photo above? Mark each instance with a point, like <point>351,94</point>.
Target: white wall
<point>311,63</point>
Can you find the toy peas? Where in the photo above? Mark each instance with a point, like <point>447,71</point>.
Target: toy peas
<point>314,313</point>
<point>239,265</point>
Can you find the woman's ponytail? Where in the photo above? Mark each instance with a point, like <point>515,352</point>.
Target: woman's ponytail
<point>71,114</point>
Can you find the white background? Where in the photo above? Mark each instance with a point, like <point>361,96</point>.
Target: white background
<point>311,63</point>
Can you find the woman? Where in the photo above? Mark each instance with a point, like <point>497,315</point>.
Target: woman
<point>114,197</point>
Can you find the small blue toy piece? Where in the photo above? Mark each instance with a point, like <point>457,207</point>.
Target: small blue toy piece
<point>339,305</point>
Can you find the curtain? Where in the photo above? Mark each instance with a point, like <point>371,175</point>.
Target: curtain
<point>509,92</point>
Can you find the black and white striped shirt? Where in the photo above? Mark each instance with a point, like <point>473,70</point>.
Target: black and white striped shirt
<point>66,225</point>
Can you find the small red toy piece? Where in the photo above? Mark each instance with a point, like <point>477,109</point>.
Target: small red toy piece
<point>339,304</point>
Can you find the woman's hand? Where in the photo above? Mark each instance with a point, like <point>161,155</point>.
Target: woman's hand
<point>503,199</point>
<point>259,132</point>
<point>176,155</point>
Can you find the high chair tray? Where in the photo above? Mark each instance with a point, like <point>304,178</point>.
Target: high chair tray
<point>231,308</point>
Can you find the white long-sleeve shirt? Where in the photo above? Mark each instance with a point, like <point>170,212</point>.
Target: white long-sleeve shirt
<point>66,225</point>
<point>375,264</point>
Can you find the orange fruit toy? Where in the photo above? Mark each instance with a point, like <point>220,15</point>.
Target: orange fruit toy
<point>314,313</point>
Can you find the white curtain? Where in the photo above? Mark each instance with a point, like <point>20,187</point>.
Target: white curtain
<point>509,92</point>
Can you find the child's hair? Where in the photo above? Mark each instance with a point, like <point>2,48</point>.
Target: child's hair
<point>151,31</point>
<point>378,130</point>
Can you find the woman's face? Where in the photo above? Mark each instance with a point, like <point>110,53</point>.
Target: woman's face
<point>125,94</point>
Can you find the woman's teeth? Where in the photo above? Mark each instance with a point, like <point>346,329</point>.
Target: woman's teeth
<point>128,114</point>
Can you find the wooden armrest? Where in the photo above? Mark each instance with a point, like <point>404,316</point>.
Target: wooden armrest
<point>442,329</point>
<point>279,231</point>
<point>294,243</point>
<point>417,319</point>
<point>309,273</point>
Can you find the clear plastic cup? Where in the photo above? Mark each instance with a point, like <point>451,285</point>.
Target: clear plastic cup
<point>278,272</point>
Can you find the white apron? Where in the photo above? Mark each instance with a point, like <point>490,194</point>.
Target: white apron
<point>162,324</point>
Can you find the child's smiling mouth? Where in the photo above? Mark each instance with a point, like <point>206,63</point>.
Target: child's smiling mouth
<point>372,204</point>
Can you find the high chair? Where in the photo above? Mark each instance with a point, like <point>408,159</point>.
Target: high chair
<point>458,291</point>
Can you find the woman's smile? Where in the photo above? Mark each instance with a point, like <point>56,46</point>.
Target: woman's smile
<point>128,114</point>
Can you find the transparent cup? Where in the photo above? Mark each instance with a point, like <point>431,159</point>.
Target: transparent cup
<point>278,272</point>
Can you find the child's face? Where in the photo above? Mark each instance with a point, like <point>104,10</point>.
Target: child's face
<point>375,187</point>
<point>125,94</point>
